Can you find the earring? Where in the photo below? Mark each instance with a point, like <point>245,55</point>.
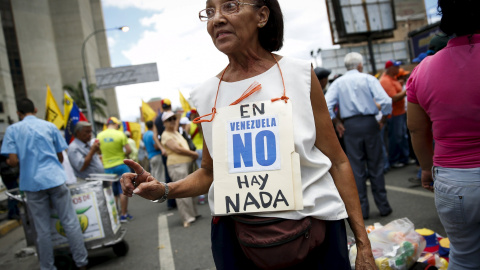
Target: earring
<point>262,25</point>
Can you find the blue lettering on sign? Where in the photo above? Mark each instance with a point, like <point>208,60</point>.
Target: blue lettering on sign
<point>242,151</point>
<point>271,150</point>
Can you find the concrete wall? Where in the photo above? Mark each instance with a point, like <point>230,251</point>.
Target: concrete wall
<point>104,57</point>
<point>74,21</point>
<point>36,41</point>
<point>7,95</point>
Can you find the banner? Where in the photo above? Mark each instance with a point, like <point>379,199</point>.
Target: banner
<point>72,116</point>
<point>52,111</point>
<point>112,209</point>
<point>255,165</point>
<point>147,112</point>
<point>86,207</point>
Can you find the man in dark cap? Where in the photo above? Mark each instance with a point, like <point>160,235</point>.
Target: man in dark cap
<point>322,75</point>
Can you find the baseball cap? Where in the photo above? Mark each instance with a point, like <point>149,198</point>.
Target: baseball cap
<point>393,63</point>
<point>322,72</point>
<point>167,115</point>
<point>402,72</point>
<point>166,103</point>
<point>419,58</point>
<point>184,121</point>
<point>438,42</point>
<point>113,120</point>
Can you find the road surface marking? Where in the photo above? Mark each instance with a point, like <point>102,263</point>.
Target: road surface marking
<point>409,190</point>
<point>164,246</point>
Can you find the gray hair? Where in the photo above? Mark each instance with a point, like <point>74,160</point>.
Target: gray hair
<point>352,60</point>
<point>79,126</point>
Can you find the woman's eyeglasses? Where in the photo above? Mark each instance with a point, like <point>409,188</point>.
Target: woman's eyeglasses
<point>226,8</point>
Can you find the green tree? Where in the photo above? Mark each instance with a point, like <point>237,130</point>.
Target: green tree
<point>76,93</point>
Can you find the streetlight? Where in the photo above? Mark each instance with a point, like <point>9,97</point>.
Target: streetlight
<point>85,82</point>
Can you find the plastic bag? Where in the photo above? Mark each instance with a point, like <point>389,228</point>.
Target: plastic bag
<point>394,246</point>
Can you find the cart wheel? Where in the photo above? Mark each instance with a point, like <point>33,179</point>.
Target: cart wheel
<point>121,248</point>
<point>64,262</point>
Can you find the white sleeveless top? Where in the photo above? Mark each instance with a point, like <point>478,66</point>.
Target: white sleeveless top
<point>320,196</point>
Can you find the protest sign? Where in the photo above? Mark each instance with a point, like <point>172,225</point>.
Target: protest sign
<point>256,168</point>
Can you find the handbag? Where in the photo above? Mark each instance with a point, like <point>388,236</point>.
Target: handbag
<point>275,243</point>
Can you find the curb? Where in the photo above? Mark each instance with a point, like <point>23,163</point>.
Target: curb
<point>7,226</point>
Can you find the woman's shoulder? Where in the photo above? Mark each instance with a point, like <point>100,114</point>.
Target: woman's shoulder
<point>204,89</point>
<point>295,64</point>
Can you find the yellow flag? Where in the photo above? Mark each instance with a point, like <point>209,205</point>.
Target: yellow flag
<point>67,106</point>
<point>52,111</point>
<point>185,105</point>
<point>136,131</point>
<point>147,112</point>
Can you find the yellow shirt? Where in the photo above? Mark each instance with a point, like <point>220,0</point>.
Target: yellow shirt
<point>111,145</point>
<point>198,138</point>
<point>172,157</point>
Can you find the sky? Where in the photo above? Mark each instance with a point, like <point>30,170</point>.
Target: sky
<point>172,36</point>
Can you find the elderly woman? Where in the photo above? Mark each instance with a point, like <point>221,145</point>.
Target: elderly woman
<point>444,105</point>
<point>247,33</point>
<point>179,161</point>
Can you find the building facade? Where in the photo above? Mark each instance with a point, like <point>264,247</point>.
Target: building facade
<point>41,43</point>
<point>409,15</point>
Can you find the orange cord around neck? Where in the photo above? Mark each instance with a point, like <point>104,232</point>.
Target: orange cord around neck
<point>254,87</point>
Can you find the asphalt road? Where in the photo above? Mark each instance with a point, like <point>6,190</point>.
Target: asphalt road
<point>189,248</point>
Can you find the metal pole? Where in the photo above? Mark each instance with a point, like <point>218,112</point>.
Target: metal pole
<point>87,102</point>
<point>85,82</point>
<point>372,56</point>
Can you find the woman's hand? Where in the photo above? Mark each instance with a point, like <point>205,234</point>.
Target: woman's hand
<point>139,182</point>
<point>427,180</point>
<point>364,258</point>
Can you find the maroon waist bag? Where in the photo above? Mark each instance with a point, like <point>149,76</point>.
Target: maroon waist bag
<point>275,243</point>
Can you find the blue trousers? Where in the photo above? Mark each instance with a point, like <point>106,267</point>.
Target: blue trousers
<point>364,151</point>
<point>331,254</point>
<point>398,150</point>
<point>61,200</point>
<point>457,198</point>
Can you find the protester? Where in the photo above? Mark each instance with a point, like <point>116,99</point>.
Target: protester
<point>154,154</point>
<point>112,141</point>
<point>37,146</point>
<point>133,145</point>
<point>357,94</point>
<point>196,135</point>
<point>183,128</point>
<point>247,33</point>
<point>158,129</point>
<point>83,153</point>
<point>10,179</point>
<point>444,104</point>
<point>322,75</point>
<point>398,152</point>
<point>179,161</point>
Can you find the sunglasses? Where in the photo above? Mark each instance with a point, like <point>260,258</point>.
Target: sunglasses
<point>173,118</point>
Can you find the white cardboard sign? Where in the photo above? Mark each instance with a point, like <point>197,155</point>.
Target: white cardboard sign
<point>256,168</point>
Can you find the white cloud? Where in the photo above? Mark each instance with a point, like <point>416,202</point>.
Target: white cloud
<point>139,4</point>
<point>180,45</point>
<point>111,43</point>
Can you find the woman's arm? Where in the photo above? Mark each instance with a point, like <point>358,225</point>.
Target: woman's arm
<point>420,127</point>
<point>175,147</point>
<point>327,142</point>
<point>149,188</point>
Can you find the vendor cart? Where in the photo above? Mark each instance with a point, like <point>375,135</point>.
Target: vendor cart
<point>97,213</point>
